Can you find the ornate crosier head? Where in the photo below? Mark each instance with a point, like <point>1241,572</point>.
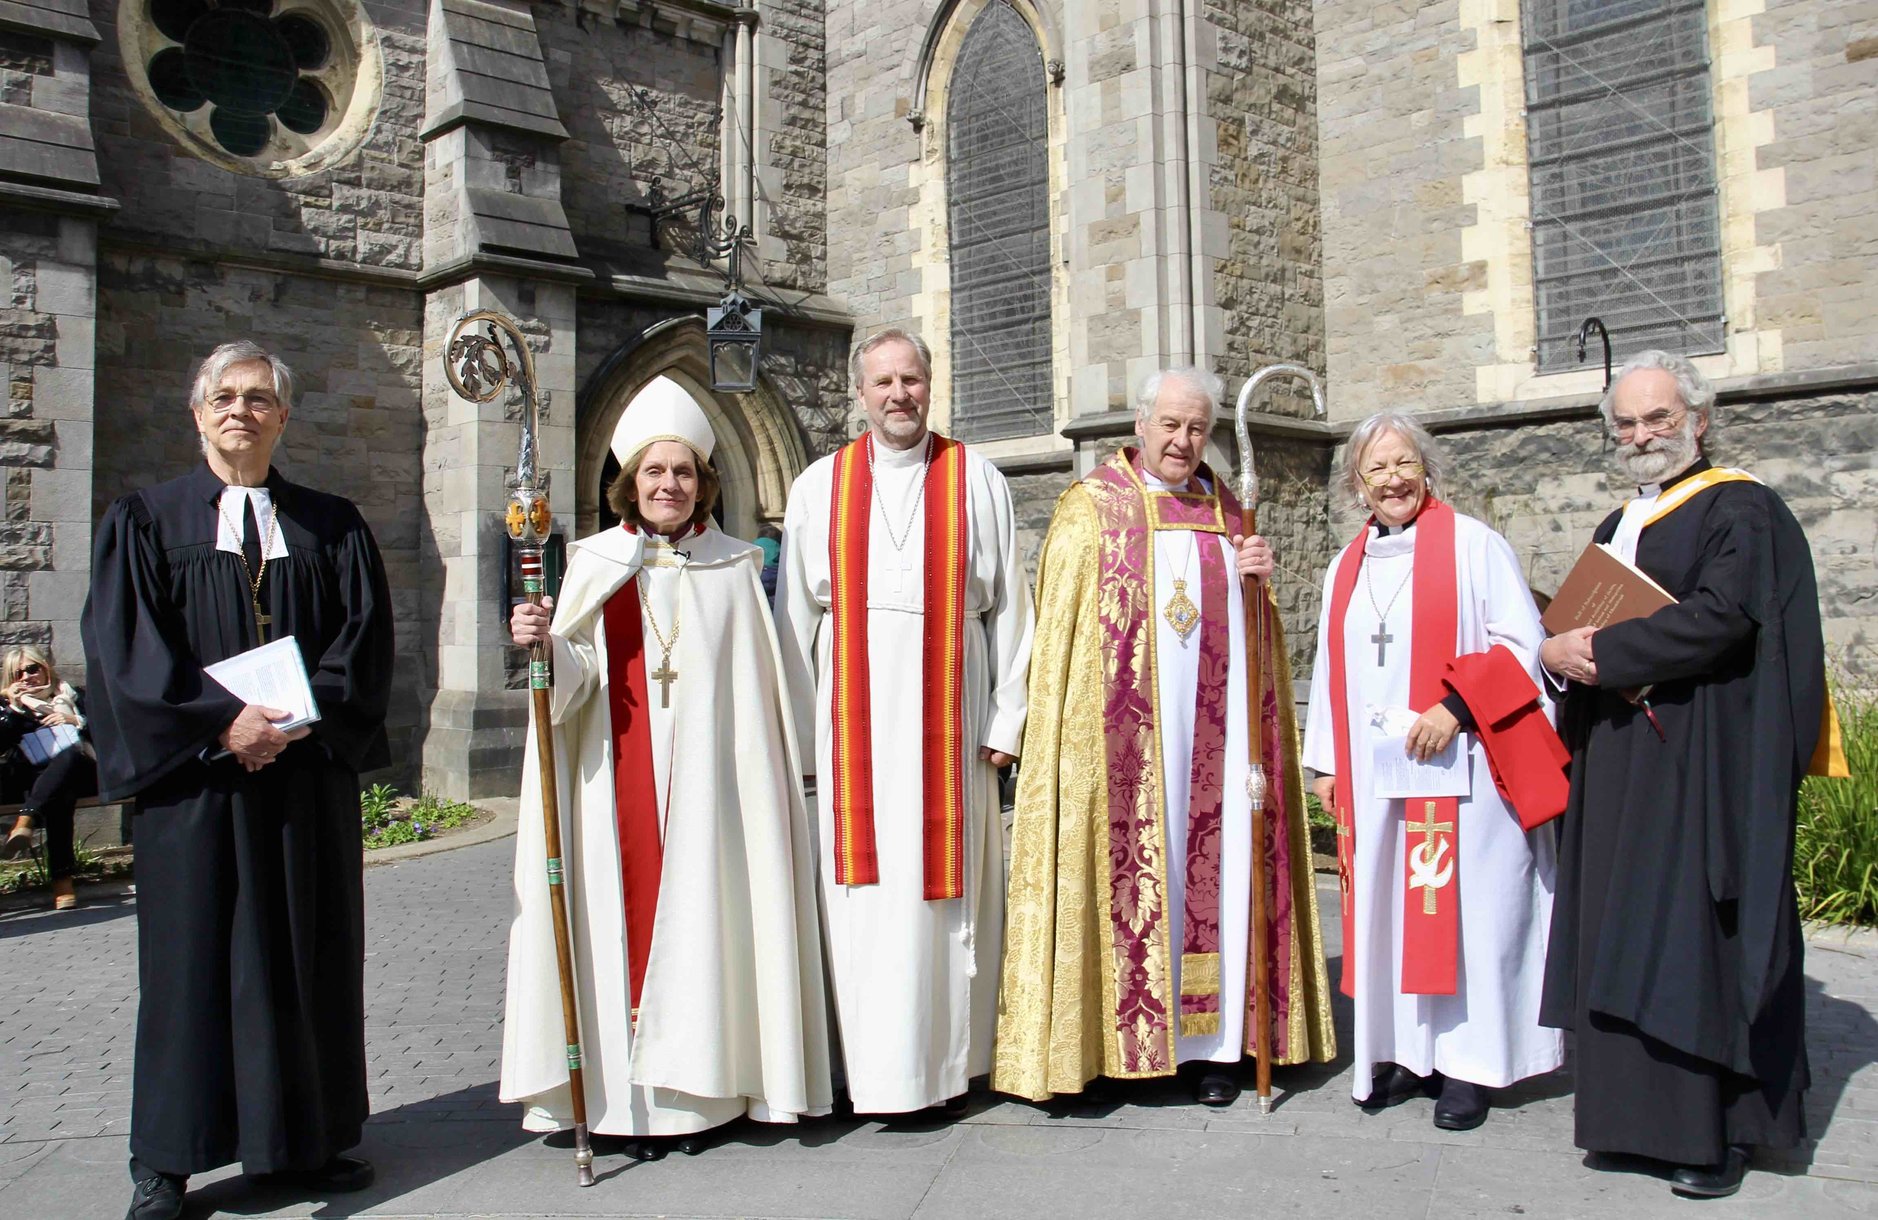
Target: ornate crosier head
<point>479,366</point>
<point>1248,472</point>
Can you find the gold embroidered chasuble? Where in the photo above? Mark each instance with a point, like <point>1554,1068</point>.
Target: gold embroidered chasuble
<point>1087,977</point>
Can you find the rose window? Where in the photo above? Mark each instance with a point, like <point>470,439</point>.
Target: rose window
<point>270,83</point>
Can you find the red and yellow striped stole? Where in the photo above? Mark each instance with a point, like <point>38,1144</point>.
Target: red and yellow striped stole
<point>942,762</point>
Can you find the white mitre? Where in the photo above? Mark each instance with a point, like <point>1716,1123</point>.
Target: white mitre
<point>663,411</point>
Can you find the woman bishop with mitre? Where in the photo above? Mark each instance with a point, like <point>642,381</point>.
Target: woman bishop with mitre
<point>689,867</point>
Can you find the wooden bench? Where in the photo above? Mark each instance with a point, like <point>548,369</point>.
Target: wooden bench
<point>95,824</point>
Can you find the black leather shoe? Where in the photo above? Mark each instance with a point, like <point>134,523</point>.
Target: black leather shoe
<point>155,1196</point>
<point>1216,1089</point>
<point>341,1175</point>
<point>956,1107</point>
<point>1462,1106</point>
<point>645,1148</point>
<point>1394,1084</point>
<point>1713,1181</point>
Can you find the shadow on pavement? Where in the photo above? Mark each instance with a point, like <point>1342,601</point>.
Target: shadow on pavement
<point>411,1146</point>
<point>24,920</point>
<point>1842,1040</point>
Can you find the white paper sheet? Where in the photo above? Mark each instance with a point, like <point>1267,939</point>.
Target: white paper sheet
<point>1394,775</point>
<point>273,675</point>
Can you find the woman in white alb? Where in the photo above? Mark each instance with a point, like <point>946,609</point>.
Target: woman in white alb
<point>1487,1034</point>
<point>688,858</point>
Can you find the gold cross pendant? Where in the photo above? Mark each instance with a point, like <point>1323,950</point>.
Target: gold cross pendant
<point>664,676</point>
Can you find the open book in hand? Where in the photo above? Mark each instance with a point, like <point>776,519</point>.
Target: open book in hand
<point>1602,589</point>
<point>273,675</point>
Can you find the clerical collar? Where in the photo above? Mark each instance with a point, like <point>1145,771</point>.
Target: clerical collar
<point>209,486</point>
<point>1652,490</point>
<point>1390,531</point>
<point>1155,483</point>
<point>231,525</point>
<point>914,455</point>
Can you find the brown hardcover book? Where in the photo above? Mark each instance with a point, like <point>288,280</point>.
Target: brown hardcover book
<point>1602,589</point>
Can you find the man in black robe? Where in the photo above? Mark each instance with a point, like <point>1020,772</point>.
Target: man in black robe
<point>250,899</point>
<point>1675,955</point>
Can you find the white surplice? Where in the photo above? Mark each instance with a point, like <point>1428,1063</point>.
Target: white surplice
<point>1488,1033</point>
<point>1177,674</point>
<point>915,982</point>
<point>733,1019</point>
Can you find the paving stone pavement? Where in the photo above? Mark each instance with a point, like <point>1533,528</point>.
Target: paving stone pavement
<point>445,1147</point>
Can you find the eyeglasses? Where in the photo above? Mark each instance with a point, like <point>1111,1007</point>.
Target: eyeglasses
<point>258,401</point>
<point>32,667</point>
<point>1656,423</point>
<point>1389,474</point>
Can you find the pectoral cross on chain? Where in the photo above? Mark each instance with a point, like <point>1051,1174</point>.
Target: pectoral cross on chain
<point>262,621</point>
<point>902,572</point>
<point>665,675</point>
<point>1382,639</point>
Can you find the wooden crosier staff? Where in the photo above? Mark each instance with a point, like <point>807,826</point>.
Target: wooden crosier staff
<point>479,369</point>
<point>1257,783</point>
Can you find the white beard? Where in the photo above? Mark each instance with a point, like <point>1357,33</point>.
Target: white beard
<point>1666,455</point>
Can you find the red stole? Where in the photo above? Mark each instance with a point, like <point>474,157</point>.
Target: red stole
<point>1528,761</point>
<point>635,791</point>
<point>942,657</point>
<point>1431,884</point>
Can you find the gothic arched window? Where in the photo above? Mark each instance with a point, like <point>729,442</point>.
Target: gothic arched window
<point>998,204</point>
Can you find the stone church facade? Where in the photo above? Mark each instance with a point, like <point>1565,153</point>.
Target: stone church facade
<point>1062,195</point>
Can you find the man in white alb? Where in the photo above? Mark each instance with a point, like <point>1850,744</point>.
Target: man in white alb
<point>904,617</point>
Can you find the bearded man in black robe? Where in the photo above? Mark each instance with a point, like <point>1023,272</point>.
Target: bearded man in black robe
<point>250,900</point>
<point>1675,955</point>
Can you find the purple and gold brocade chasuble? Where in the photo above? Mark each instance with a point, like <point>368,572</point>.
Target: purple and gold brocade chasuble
<point>1088,970</point>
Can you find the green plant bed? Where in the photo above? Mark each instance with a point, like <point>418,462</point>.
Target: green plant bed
<point>28,873</point>
<point>389,819</point>
<point>1835,853</point>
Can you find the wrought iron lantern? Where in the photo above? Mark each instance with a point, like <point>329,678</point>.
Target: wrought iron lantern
<point>733,330</point>
<point>734,333</point>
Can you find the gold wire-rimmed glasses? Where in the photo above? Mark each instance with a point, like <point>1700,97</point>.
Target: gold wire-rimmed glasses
<point>258,401</point>
<point>1389,474</point>
<point>1656,423</point>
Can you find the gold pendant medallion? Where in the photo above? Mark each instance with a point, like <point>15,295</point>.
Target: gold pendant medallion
<point>1180,612</point>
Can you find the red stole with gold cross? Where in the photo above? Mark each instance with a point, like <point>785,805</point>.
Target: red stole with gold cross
<point>1431,925</point>
<point>942,657</point>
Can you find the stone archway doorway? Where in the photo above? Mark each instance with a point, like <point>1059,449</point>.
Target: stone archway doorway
<point>759,448</point>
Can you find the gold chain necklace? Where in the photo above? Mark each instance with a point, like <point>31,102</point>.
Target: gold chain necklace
<point>255,577</point>
<point>664,675</point>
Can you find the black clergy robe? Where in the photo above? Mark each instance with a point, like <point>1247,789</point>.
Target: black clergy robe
<point>1675,954</point>
<point>250,899</point>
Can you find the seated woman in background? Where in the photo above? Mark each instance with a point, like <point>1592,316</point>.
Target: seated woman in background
<point>42,727</point>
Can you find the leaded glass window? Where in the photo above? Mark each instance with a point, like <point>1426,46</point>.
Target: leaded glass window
<point>276,87</point>
<point>1625,211</point>
<point>997,191</point>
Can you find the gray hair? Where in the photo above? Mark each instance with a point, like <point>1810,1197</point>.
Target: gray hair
<point>892,334</point>
<point>1434,461</point>
<point>241,351</point>
<point>1203,380</point>
<point>1691,387</point>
